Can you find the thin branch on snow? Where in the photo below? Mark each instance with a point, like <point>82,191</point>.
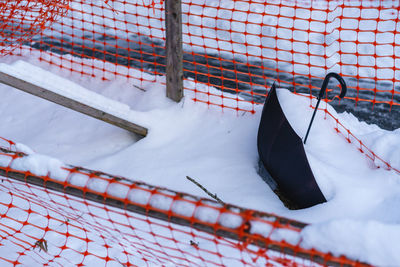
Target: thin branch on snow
<point>214,196</point>
<point>140,88</point>
<point>194,244</point>
<point>41,244</point>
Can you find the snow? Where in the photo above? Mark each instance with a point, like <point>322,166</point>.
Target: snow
<point>357,239</point>
<point>380,141</point>
<point>328,153</point>
<point>63,87</point>
<point>50,216</point>
<point>219,151</point>
<point>40,165</point>
<point>359,220</point>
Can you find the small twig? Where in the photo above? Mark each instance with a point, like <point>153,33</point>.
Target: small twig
<point>41,244</point>
<point>106,2</point>
<point>80,216</point>
<point>214,196</point>
<point>140,88</point>
<point>194,244</point>
<point>124,265</point>
<point>66,220</point>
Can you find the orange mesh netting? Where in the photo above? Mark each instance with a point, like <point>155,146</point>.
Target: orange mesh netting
<point>22,20</point>
<point>74,216</point>
<point>239,47</point>
<point>78,216</point>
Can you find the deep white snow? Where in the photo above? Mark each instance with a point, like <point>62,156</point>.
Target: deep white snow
<point>218,149</point>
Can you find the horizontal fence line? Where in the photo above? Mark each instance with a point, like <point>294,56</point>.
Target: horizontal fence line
<point>241,234</point>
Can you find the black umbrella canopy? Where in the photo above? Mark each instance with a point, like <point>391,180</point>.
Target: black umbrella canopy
<point>282,154</point>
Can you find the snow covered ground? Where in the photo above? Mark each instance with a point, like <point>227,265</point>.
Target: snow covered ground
<point>218,149</point>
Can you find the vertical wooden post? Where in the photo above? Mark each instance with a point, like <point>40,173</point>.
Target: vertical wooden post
<point>174,67</point>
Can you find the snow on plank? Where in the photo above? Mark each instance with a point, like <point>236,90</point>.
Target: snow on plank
<point>44,84</point>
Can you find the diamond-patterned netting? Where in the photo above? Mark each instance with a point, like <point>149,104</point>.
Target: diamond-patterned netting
<point>75,216</point>
<point>21,21</point>
<point>236,46</point>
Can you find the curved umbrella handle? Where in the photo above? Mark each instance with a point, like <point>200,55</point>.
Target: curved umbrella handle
<point>326,81</point>
<point>322,93</point>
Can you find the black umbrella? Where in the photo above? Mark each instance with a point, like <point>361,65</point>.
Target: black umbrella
<point>282,152</point>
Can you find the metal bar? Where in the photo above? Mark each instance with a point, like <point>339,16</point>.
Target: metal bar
<point>343,92</point>
<point>312,119</point>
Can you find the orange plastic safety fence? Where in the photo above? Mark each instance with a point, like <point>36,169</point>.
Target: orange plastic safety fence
<point>376,160</point>
<point>22,20</point>
<point>238,46</point>
<point>351,138</point>
<point>82,217</point>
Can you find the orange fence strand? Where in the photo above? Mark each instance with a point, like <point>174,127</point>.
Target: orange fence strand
<point>238,47</point>
<point>76,216</point>
<point>233,51</point>
<point>22,20</point>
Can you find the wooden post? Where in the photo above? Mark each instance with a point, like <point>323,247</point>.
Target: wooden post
<point>174,67</point>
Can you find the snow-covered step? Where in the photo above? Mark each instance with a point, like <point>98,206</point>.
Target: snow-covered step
<point>39,82</point>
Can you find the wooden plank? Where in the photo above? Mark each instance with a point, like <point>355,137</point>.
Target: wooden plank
<point>174,68</point>
<point>70,103</point>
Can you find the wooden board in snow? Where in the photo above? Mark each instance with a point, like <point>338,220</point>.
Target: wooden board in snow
<point>28,78</point>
